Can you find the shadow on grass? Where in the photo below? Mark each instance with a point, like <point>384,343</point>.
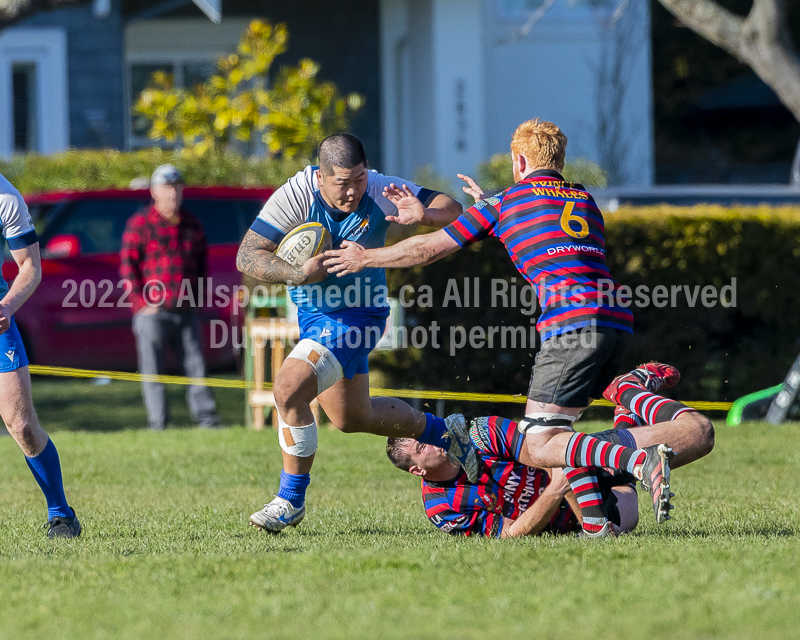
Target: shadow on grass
<point>82,405</point>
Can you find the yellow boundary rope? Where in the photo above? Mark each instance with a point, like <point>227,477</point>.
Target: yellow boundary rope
<point>66,372</point>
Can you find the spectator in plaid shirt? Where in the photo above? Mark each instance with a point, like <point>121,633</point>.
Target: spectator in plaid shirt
<point>163,256</point>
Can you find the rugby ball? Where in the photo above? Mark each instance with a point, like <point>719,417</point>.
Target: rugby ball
<point>304,242</point>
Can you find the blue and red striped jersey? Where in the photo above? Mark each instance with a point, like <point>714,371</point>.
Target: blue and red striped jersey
<point>505,488</point>
<point>554,233</point>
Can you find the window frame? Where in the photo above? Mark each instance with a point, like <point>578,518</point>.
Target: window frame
<point>162,58</point>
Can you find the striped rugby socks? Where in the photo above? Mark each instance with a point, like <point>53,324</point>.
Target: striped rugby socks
<point>626,419</point>
<point>651,408</point>
<point>584,450</point>
<point>584,484</point>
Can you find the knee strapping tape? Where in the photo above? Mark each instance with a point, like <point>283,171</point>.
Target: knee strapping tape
<point>298,441</point>
<point>537,422</point>
<point>324,364</point>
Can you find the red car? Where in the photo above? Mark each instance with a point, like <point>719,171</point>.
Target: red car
<point>74,318</point>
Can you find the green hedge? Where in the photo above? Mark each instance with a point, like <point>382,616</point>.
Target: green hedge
<point>104,169</point>
<point>723,352</point>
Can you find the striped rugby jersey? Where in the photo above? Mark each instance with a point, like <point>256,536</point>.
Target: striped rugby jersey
<point>554,233</point>
<point>505,489</point>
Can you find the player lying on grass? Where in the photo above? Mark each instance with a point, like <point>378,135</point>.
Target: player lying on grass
<point>554,234</point>
<point>513,497</point>
<point>16,403</point>
<point>341,319</point>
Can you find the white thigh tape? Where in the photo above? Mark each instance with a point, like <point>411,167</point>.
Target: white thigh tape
<point>298,441</point>
<point>538,422</point>
<point>322,362</point>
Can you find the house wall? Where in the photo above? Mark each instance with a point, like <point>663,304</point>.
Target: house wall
<point>563,71</point>
<point>94,73</point>
<point>343,37</point>
<point>344,41</point>
<point>458,79</point>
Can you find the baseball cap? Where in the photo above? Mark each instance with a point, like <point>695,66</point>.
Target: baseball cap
<point>166,174</point>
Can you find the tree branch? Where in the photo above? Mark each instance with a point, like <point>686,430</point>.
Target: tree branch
<point>716,24</point>
<point>761,41</point>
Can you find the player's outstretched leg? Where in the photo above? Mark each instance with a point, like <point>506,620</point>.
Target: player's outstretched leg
<point>16,409</point>
<point>296,386</point>
<point>652,377</point>
<point>571,449</point>
<point>649,465</point>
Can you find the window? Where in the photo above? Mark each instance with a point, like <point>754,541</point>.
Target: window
<point>34,109</point>
<point>185,74</point>
<point>187,48</point>
<point>23,88</point>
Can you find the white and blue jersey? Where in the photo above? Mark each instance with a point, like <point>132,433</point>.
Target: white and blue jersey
<point>18,232</point>
<point>337,308</point>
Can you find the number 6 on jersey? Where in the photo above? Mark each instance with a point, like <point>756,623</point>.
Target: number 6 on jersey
<point>567,217</point>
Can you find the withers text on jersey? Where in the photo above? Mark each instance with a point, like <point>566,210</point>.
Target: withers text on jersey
<point>554,233</point>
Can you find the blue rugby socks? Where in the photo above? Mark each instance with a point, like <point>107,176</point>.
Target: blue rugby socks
<point>435,432</point>
<point>293,488</point>
<point>46,468</point>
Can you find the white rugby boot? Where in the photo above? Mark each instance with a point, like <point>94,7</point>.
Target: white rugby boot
<point>277,515</point>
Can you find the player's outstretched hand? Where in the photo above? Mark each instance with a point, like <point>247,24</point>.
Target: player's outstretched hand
<point>314,269</point>
<point>350,258</point>
<point>473,188</point>
<point>409,209</point>
<point>5,319</point>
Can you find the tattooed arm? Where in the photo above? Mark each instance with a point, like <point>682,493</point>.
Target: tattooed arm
<point>256,258</point>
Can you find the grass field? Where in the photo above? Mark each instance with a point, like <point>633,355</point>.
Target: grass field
<point>166,552</point>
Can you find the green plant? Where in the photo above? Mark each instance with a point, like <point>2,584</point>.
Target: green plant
<point>291,115</point>
<point>104,169</point>
<point>723,351</point>
<point>496,174</point>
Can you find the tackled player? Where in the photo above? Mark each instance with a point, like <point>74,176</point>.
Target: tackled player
<point>514,498</point>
